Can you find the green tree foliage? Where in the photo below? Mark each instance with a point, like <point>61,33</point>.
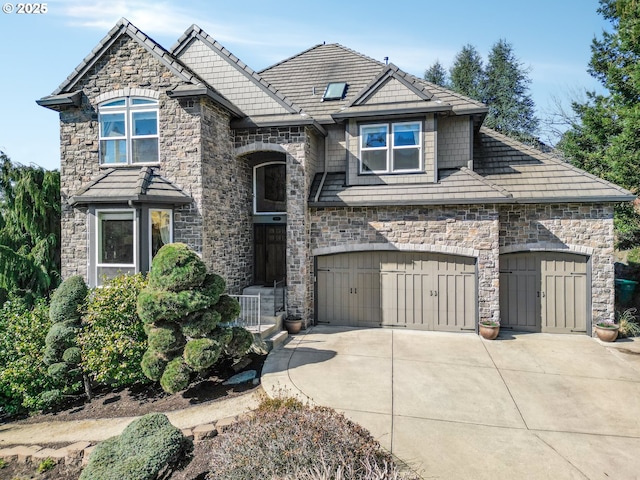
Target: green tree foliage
<point>113,338</point>
<point>467,73</point>
<point>23,376</point>
<point>184,312</point>
<point>604,139</point>
<point>29,229</point>
<point>436,74</point>
<point>511,109</point>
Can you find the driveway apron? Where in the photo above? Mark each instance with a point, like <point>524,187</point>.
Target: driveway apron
<point>455,406</point>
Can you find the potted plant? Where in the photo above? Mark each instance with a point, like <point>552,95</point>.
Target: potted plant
<point>293,325</point>
<point>489,329</point>
<point>607,330</point>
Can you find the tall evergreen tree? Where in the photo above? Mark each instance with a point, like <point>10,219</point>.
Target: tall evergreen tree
<point>467,73</point>
<point>436,74</point>
<point>29,229</point>
<point>511,109</point>
<point>605,138</point>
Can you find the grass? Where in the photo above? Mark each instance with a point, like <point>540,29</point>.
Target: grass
<point>628,324</point>
<point>46,465</point>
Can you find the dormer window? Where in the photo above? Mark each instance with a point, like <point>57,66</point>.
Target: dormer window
<point>129,131</point>
<point>391,148</point>
<point>335,91</point>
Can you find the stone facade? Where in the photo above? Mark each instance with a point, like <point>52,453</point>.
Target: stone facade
<point>579,228</point>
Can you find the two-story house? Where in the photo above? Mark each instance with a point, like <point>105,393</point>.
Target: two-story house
<point>379,197</point>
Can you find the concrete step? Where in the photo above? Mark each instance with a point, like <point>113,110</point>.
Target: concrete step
<point>276,340</point>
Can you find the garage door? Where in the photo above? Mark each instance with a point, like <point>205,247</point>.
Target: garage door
<point>400,289</point>
<point>544,292</point>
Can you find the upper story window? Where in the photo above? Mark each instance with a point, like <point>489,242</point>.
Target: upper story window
<point>391,147</point>
<point>129,131</point>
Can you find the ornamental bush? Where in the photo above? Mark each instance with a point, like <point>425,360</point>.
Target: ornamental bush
<point>113,338</point>
<point>176,376</point>
<point>23,374</point>
<point>67,300</point>
<point>181,308</point>
<point>148,447</point>
<point>176,267</point>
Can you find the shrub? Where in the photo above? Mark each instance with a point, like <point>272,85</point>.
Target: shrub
<point>176,376</point>
<point>145,448</point>
<point>175,268</point>
<point>628,324</point>
<point>72,355</point>
<point>159,305</point>
<point>165,338</point>
<point>23,374</point>
<point>213,286</point>
<point>153,365</point>
<point>228,307</point>
<point>60,337</point>
<point>291,440</point>
<point>201,353</point>
<point>240,343</point>
<point>46,465</point>
<point>201,324</point>
<point>222,335</point>
<point>67,299</point>
<point>113,338</point>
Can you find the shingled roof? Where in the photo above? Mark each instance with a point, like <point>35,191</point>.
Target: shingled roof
<point>505,171</point>
<point>138,185</point>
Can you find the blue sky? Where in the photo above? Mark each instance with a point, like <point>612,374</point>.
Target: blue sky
<point>37,52</point>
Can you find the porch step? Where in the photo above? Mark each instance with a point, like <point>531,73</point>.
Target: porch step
<point>276,340</point>
<point>269,334</point>
<point>267,297</point>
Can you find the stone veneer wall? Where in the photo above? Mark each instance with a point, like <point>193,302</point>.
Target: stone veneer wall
<point>300,149</point>
<point>579,228</point>
<point>456,230</point>
<point>227,203</point>
<point>124,67</point>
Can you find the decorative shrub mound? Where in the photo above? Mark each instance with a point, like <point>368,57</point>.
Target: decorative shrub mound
<point>61,351</point>
<point>184,312</point>
<point>145,448</point>
<point>113,339</point>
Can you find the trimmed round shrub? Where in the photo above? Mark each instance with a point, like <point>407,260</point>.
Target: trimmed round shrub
<point>200,324</point>
<point>67,300</point>
<point>158,305</point>
<point>222,335</point>
<point>165,338</point>
<point>201,353</point>
<point>228,307</point>
<point>153,365</point>
<point>176,267</point>
<point>50,355</point>
<point>213,286</point>
<point>176,376</point>
<point>72,355</point>
<point>240,343</point>
<point>147,447</point>
<point>60,337</point>
<point>58,371</point>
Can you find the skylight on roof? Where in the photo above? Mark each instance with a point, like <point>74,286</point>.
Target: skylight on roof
<point>335,91</point>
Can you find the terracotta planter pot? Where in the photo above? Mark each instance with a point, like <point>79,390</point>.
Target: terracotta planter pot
<point>607,334</point>
<point>293,326</point>
<point>489,331</point>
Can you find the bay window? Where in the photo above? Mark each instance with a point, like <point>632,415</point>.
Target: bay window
<point>116,243</point>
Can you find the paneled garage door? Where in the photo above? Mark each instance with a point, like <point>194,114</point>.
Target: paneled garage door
<point>415,290</point>
<point>544,292</point>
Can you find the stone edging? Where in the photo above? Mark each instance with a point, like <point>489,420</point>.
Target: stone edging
<point>78,453</point>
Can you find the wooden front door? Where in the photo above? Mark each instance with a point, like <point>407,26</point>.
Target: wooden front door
<point>270,253</point>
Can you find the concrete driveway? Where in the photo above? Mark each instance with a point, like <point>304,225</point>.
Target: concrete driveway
<point>455,406</point>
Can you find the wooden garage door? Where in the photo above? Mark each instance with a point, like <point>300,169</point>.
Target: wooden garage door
<point>544,292</point>
<point>414,290</point>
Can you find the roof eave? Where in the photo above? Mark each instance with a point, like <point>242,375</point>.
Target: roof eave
<point>164,200</point>
<point>204,91</point>
<point>394,111</point>
<point>56,102</point>
<point>249,122</point>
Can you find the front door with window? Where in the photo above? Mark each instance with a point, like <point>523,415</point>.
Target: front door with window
<point>270,253</point>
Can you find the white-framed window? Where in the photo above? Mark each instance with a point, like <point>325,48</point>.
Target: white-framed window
<point>391,147</point>
<point>270,189</point>
<point>117,240</point>
<point>160,230</point>
<point>128,131</point>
